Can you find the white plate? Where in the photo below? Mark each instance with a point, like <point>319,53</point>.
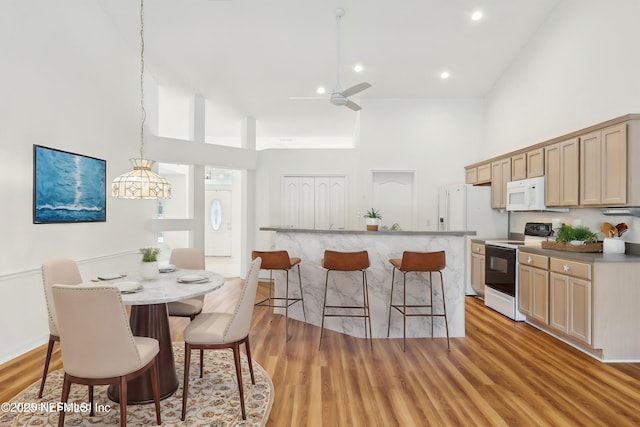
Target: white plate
<point>189,278</point>
<point>128,287</point>
<point>112,276</point>
<point>166,269</point>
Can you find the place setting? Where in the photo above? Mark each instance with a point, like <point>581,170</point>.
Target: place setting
<point>193,278</point>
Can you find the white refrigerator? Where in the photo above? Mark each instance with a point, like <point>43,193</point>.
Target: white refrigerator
<point>464,207</point>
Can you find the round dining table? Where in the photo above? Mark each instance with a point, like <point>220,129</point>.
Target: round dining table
<point>149,318</point>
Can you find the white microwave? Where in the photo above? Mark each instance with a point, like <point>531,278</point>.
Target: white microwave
<point>527,195</point>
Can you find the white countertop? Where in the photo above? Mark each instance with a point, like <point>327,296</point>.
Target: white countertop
<point>372,233</point>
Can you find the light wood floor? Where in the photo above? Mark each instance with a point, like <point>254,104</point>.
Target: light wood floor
<point>502,373</point>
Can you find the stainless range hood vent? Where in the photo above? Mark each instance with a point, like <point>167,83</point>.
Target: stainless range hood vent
<point>633,211</point>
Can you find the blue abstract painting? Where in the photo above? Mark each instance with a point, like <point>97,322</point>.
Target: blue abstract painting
<point>68,187</point>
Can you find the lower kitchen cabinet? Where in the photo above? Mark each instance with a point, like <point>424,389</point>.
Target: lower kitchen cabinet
<point>533,286</point>
<point>570,298</point>
<point>477,268</point>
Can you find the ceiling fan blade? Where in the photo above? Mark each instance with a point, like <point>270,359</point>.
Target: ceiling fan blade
<point>353,105</point>
<point>355,89</point>
<point>304,98</point>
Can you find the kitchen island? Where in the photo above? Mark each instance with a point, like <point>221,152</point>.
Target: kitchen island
<point>310,244</point>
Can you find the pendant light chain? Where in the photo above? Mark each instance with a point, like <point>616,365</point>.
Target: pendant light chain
<point>141,182</point>
<point>142,110</point>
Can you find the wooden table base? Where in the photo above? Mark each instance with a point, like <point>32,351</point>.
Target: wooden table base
<point>151,321</point>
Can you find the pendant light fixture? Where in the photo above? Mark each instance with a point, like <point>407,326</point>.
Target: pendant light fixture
<point>141,182</point>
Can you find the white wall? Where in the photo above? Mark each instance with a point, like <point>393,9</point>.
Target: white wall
<point>434,137</point>
<point>68,82</point>
<point>579,69</point>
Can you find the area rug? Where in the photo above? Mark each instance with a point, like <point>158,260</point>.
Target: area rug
<point>213,399</point>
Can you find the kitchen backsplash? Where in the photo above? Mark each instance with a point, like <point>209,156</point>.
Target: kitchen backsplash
<point>591,218</point>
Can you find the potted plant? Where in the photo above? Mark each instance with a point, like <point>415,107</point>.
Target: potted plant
<point>373,218</point>
<point>579,235</point>
<point>149,265</point>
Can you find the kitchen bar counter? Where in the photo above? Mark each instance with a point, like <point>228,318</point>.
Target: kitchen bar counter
<point>380,232</point>
<point>309,245</point>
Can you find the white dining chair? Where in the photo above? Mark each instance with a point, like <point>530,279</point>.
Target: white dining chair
<point>62,272</point>
<point>98,347</point>
<point>213,331</point>
<point>190,259</point>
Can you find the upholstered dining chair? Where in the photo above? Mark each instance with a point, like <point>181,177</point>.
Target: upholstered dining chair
<point>61,272</point>
<point>190,259</point>
<point>212,331</point>
<point>97,344</point>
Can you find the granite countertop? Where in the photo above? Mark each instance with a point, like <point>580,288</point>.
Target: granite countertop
<point>373,233</point>
<point>582,256</point>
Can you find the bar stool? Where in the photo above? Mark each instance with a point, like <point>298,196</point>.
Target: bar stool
<point>347,261</point>
<point>280,260</point>
<point>418,262</point>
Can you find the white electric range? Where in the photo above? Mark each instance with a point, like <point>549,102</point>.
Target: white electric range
<point>501,269</point>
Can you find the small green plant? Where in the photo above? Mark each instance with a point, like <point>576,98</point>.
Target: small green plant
<point>373,214</point>
<point>149,254</point>
<point>568,233</point>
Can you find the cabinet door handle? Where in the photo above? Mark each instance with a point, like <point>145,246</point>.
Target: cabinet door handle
<point>529,260</point>
<point>565,267</point>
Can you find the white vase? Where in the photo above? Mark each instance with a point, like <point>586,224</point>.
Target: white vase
<point>149,270</point>
<point>372,224</point>
<point>613,246</point>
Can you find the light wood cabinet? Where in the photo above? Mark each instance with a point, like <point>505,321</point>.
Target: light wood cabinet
<point>561,173</point>
<point>603,166</point>
<point>477,268</point>
<point>533,286</point>
<point>484,174</point>
<point>519,167</point>
<point>500,175</point>
<point>478,175</point>
<point>527,165</point>
<point>535,163</point>
<point>570,298</point>
<point>471,175</point>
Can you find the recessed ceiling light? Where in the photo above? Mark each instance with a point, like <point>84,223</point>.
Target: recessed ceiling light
<point>357,68</point>
<point>444,75</point>
<point>321,90</point>
<point>476,16</point>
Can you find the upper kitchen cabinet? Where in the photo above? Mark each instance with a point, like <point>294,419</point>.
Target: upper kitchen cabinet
<point>561,177</point>
<point>478,174</point>
<point>500,175</point>
<point>527,165</point>
<point>519,166</point>
<point>603,166</point>
<point>535,163</point>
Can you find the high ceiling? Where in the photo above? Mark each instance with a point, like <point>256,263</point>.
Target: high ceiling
<point>247,57</point>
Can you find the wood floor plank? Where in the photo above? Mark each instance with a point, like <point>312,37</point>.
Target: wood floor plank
<point>502,373</point>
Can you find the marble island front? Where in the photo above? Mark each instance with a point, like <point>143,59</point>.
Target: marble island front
<point>345,288</point>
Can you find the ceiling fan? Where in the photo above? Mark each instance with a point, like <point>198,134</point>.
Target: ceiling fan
<point>340,97</point>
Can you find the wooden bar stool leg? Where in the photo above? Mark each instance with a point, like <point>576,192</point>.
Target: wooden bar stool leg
<point>324,306</point>
<point>444,308</point>
<point>431,300</point>
<point>393,273</point>
<point>286,309</point>
<point>367,310</point>
<point>404,311</point>
<point>304,313</point>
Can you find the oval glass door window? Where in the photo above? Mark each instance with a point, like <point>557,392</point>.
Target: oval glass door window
<point>216,214</point>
